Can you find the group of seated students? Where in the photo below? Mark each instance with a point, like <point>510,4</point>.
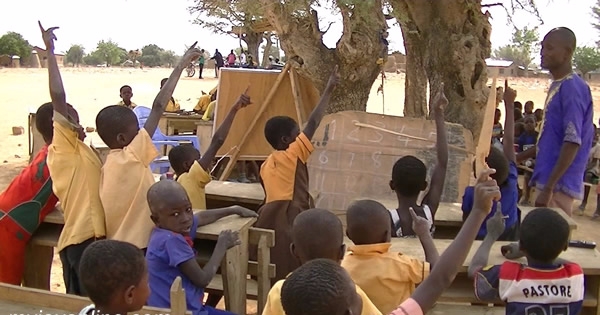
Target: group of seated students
<point>126,238</point>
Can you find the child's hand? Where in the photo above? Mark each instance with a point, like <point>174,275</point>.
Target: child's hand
<point>191,54</point>
<point>48,36</point>
<point>510,95</point>
<point>495,224</point>
<point>420,225</point>
<point>243,101</point>
<point>438,105</point>
<point>246,213</point>
<point>511,251</point>
<point>486,191</point>
<point>334,78</point>
<point>229,238</point>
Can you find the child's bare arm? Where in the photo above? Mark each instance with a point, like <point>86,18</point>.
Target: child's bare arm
<point>209,216</point>
<point>201,277</point>
<point>447,267</point>
<point>165,94</point>
<point>508,143</point>
<point>317,114</point>
<point>221,134</point>
<point>57,90</point>
<point>422,227</point>
<point>439,172</point>
<point>495,228</point>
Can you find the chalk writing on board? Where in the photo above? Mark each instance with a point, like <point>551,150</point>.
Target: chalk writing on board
<point>323,157</point>
<point>352,134</point>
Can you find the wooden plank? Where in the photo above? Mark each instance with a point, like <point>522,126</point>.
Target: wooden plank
<point>232,222</point>
<point>216,285</point>
<point>485,136</point>
<point>177,295</point>
<point>264,279</point>
<point>256,233</point>
<point>46,235</point>
<point>462,309</point>
<point>299,104</point>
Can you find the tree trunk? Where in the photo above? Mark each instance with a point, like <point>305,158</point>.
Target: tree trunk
<point>267,51</point>
<point>253,41</point>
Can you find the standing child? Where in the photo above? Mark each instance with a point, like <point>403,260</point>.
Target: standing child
<point>284,177</point>
<point>506,176</point>
<point>126,93</point>
<point>388,278</point>
<point>75,171</point>
<point>170,252</point>
<point>409,178</point>
<point>592,172</point>
<point>497,130</point>
<point>546,284</point>
<point>126,174</point>
<point>527,140</point>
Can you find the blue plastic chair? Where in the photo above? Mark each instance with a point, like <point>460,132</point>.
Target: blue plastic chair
<point>158,138</point>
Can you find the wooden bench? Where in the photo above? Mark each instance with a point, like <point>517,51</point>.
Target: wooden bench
<point>463,309</point>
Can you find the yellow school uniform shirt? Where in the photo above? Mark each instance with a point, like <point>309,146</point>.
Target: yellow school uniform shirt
<point>172,106</point>
<point>126,178</point>
<point>121,103</point>
<point>208,114</point>
<point>274,307</point>
<point>75,171</point>
<point>387,278</point>
<point>203,103</point>
<point>194,182</point>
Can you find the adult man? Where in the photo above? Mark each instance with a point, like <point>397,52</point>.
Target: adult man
<point>201,64</point>
<point>567,130</point>
<point>219,62</point>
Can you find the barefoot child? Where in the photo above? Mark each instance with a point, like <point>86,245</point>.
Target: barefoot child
<point>284,177</point>
<point>409,178</point>
<point>25,203</point>
<point>321,288</point>
<point>192,170</point>
<point>114,274</point>
<point>170,252</point>
<point>126,175</point>
<point>387,278</point>
<point>126,94</point>
<point>75,171</point>
<point>316,234</point>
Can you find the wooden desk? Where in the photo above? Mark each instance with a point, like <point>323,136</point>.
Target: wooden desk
<point>204,132</point>
<point>173,124</point>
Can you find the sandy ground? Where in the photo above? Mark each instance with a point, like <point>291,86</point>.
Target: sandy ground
<point>91,89</point>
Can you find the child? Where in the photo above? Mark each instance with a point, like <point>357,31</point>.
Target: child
<point>170,252</point>
<point>592,172</point>
<point>172,105</point>
<point>539,116</point>
<point>316,234</point>
<point>518,115</point>
<point>506,176</point>
<point>115,275</point>
<point>25,203</point>
<point>310,290</point>
<point>193,171</point>
<point>529,137</point>
<point>284,177</point>
<point>126,94</point>
<point>528,110</point>
<point>75,171</point>
<point>497,131</point>
<point>545,285</point>
<point>126,175</point>
<point>205,100</point>
<point>409,178</point>
<point>368,225</point>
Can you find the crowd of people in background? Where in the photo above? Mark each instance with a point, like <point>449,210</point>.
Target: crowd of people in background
<point>244,60</point>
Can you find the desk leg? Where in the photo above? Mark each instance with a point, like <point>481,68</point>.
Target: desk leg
<point>38,262</point>
<point>234,270</point>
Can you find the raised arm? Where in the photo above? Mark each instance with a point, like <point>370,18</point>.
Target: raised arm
<point>451,260</point>
<point>508,142</point>
<point>209,216</point>
<point>166,92</point>
<point>317,114</point>
<point>57,90</point>
<point>221,134</point>
<point>439,172</point>
<point>422,227</point>
<point>495,228</point>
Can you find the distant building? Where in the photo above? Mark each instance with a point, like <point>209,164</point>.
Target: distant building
<point>43,57</point>
<point>505,68</point>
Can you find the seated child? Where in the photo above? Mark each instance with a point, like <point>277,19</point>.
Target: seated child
<point>316,234</point>
<point>170,253</point>
<point>115,275</point>
<point>539,117</point>
<point>546,284</point>
<point>126,175</point>
<point>592,172</point>
<point>322,288</point>
<point>126,94</point>
<point>284,177</point>
<point>506,176</point>
<point>497,131</point>
<point>75,171</point>
<point>409,179</point>
<point>205,100</point>
<point>25,203</point>
<point>192,170</point>
<point>172,105</point>
<point>388,278</point>
<point>209,114</point>
<point>519,130</point>
<point>529,137</point>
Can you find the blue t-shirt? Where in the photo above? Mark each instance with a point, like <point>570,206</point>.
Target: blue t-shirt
<point>526,141</point>
<point>166,251</point>
<point>510,197</point>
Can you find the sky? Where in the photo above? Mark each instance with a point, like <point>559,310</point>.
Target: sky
<point>136,23</point>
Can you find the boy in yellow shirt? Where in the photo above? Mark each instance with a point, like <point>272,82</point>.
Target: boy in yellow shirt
<point>126,93</point>
<point>126,175</point>
<point>193,170</point>
<point>205,100</point>
<point>75,171</point>
<point>316,234</point>
<point>172,105</point>
<point>388,278</point>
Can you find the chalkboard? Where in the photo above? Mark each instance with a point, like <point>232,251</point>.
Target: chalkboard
<point>355,152</point>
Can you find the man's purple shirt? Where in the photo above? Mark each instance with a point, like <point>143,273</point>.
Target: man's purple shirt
<point>567,118</point>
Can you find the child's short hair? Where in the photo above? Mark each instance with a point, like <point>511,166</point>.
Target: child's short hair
<point>319,287</point>
<point>498,161</point>
<point>44,122</point>
<point>124,87</point>
<point>544,234</point>
<point>109,266</point>
<point>409,176</point>
<point>518,105</point>
<point>518,114</point>
<point>179,155</point>
<point>368,222</point>
<point>113,120</point>
<point>278,127</point>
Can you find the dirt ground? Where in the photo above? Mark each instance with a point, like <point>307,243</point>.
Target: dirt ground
<point>91,89</point>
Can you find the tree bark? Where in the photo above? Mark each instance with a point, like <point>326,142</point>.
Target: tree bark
<point>267,51</point>
<point>253,40</point>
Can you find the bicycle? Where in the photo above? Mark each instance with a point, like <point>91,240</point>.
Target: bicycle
<point>191,70</point>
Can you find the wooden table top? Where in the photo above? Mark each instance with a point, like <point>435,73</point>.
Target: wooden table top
<point>232,222</point>
<point>191,116</point>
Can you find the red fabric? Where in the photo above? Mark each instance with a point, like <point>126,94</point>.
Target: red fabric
<point>23,206</point>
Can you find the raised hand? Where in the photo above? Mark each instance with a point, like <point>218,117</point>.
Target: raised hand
<point>511,251</point>
<point>420,225</point>
<point>229,238</point>
<point>243,100</point>
<point>510,94</point>
<point>192,53</point>
<point>438,105</point>
<point>48,36</point>
<point>486,191</point>
<point>495,224</point>
<point>334,78</point>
